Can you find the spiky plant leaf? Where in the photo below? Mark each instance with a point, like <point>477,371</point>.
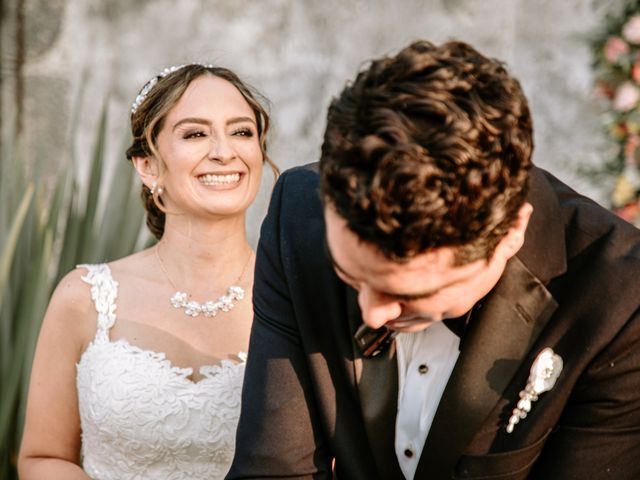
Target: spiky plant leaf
<point>42,237</point>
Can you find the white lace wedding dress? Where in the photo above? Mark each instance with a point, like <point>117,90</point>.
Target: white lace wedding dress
<point>142,417</point>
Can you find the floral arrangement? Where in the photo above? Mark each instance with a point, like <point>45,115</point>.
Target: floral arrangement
<point>617,72</point>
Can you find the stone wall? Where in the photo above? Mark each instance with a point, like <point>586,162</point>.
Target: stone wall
<point>62,60</point>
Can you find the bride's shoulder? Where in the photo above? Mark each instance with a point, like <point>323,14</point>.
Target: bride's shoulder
<point>133,266</point>
<point>71,310</point>
<point>72,295</point>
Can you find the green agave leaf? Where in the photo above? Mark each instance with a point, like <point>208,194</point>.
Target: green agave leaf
<point>9,246</point>
<point>87,237</point>
<point>38,245</point>
<point>31,317</point>
<point>29,313</point>
<point>57,200</point>
<point>121,215</point>
<point>12,188</point>
<point>132,229</point>
<point>75,116</point>
<point>70,237</point>
<point>116,211</point>
<point>27,248</point>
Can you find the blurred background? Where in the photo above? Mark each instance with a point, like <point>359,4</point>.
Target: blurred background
<point>69,70</point>
<point>62,58</point>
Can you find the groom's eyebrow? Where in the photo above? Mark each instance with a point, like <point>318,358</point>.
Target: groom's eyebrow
<point>333,262</point>
<point>340,269</point>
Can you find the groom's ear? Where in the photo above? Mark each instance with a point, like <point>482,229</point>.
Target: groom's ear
<point>512,242</point>
<point>147,168</point>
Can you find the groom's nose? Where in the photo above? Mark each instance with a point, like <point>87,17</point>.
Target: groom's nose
<point>377,309</point>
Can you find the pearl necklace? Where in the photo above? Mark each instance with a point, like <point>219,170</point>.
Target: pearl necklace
<point>210,308</point>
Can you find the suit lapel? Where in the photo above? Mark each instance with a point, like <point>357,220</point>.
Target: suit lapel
<point>377,383</point>
<point>518,307</point>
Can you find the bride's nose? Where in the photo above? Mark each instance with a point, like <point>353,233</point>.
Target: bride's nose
<point>221,150</point>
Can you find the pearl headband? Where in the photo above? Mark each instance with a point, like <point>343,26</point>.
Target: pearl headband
<point>152,83</point>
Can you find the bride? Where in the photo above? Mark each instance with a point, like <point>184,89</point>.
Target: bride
<point>139,363</point>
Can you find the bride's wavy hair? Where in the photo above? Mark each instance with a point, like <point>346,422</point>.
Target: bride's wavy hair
<point>429,148</point>
<point>153,104</point>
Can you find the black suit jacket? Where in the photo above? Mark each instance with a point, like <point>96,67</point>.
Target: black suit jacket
<point>309,396</point>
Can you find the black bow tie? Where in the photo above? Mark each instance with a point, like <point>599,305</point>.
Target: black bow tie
<point>372,342</point>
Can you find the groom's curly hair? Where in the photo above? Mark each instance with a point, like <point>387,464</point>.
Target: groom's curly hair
<point>429,148</point>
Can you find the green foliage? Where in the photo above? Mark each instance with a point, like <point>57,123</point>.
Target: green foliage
<point>43,235</point>
<point>616,53</point>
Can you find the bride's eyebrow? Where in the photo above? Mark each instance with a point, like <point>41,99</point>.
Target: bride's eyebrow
<point>197,120</point>
<point>235,120</point>
<point>204,121</point>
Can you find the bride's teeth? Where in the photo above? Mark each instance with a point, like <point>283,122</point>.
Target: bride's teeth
<point>219,179</point>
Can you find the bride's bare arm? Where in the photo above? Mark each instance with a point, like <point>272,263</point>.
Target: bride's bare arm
<point>51,441</point>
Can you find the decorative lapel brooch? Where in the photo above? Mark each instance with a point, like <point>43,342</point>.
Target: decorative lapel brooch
<point>544,372</point>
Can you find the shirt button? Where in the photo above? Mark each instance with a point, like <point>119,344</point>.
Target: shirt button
<point>423,368</point>
<point>408,452</point>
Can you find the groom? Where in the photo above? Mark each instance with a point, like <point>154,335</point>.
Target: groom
<point>430,305</point>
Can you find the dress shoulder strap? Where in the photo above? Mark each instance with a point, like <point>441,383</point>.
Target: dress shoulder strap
<point>104,291</point>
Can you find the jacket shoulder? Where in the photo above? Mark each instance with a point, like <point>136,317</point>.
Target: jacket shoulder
<point>297,193</point>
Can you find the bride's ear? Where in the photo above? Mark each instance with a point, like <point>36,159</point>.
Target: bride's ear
<point>147,168</point>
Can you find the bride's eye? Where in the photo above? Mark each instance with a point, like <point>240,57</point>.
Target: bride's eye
<point>243,132</point>
<point>194,134</point>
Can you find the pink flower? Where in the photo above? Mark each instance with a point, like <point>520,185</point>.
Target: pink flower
<point>614,47</point>
<point>631,29</point>
<point>626,97</point>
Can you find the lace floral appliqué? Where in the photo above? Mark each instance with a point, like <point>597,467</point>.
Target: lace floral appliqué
<point>142,417</point>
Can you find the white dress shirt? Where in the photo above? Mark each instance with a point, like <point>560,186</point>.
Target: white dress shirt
<point>425,361</point>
